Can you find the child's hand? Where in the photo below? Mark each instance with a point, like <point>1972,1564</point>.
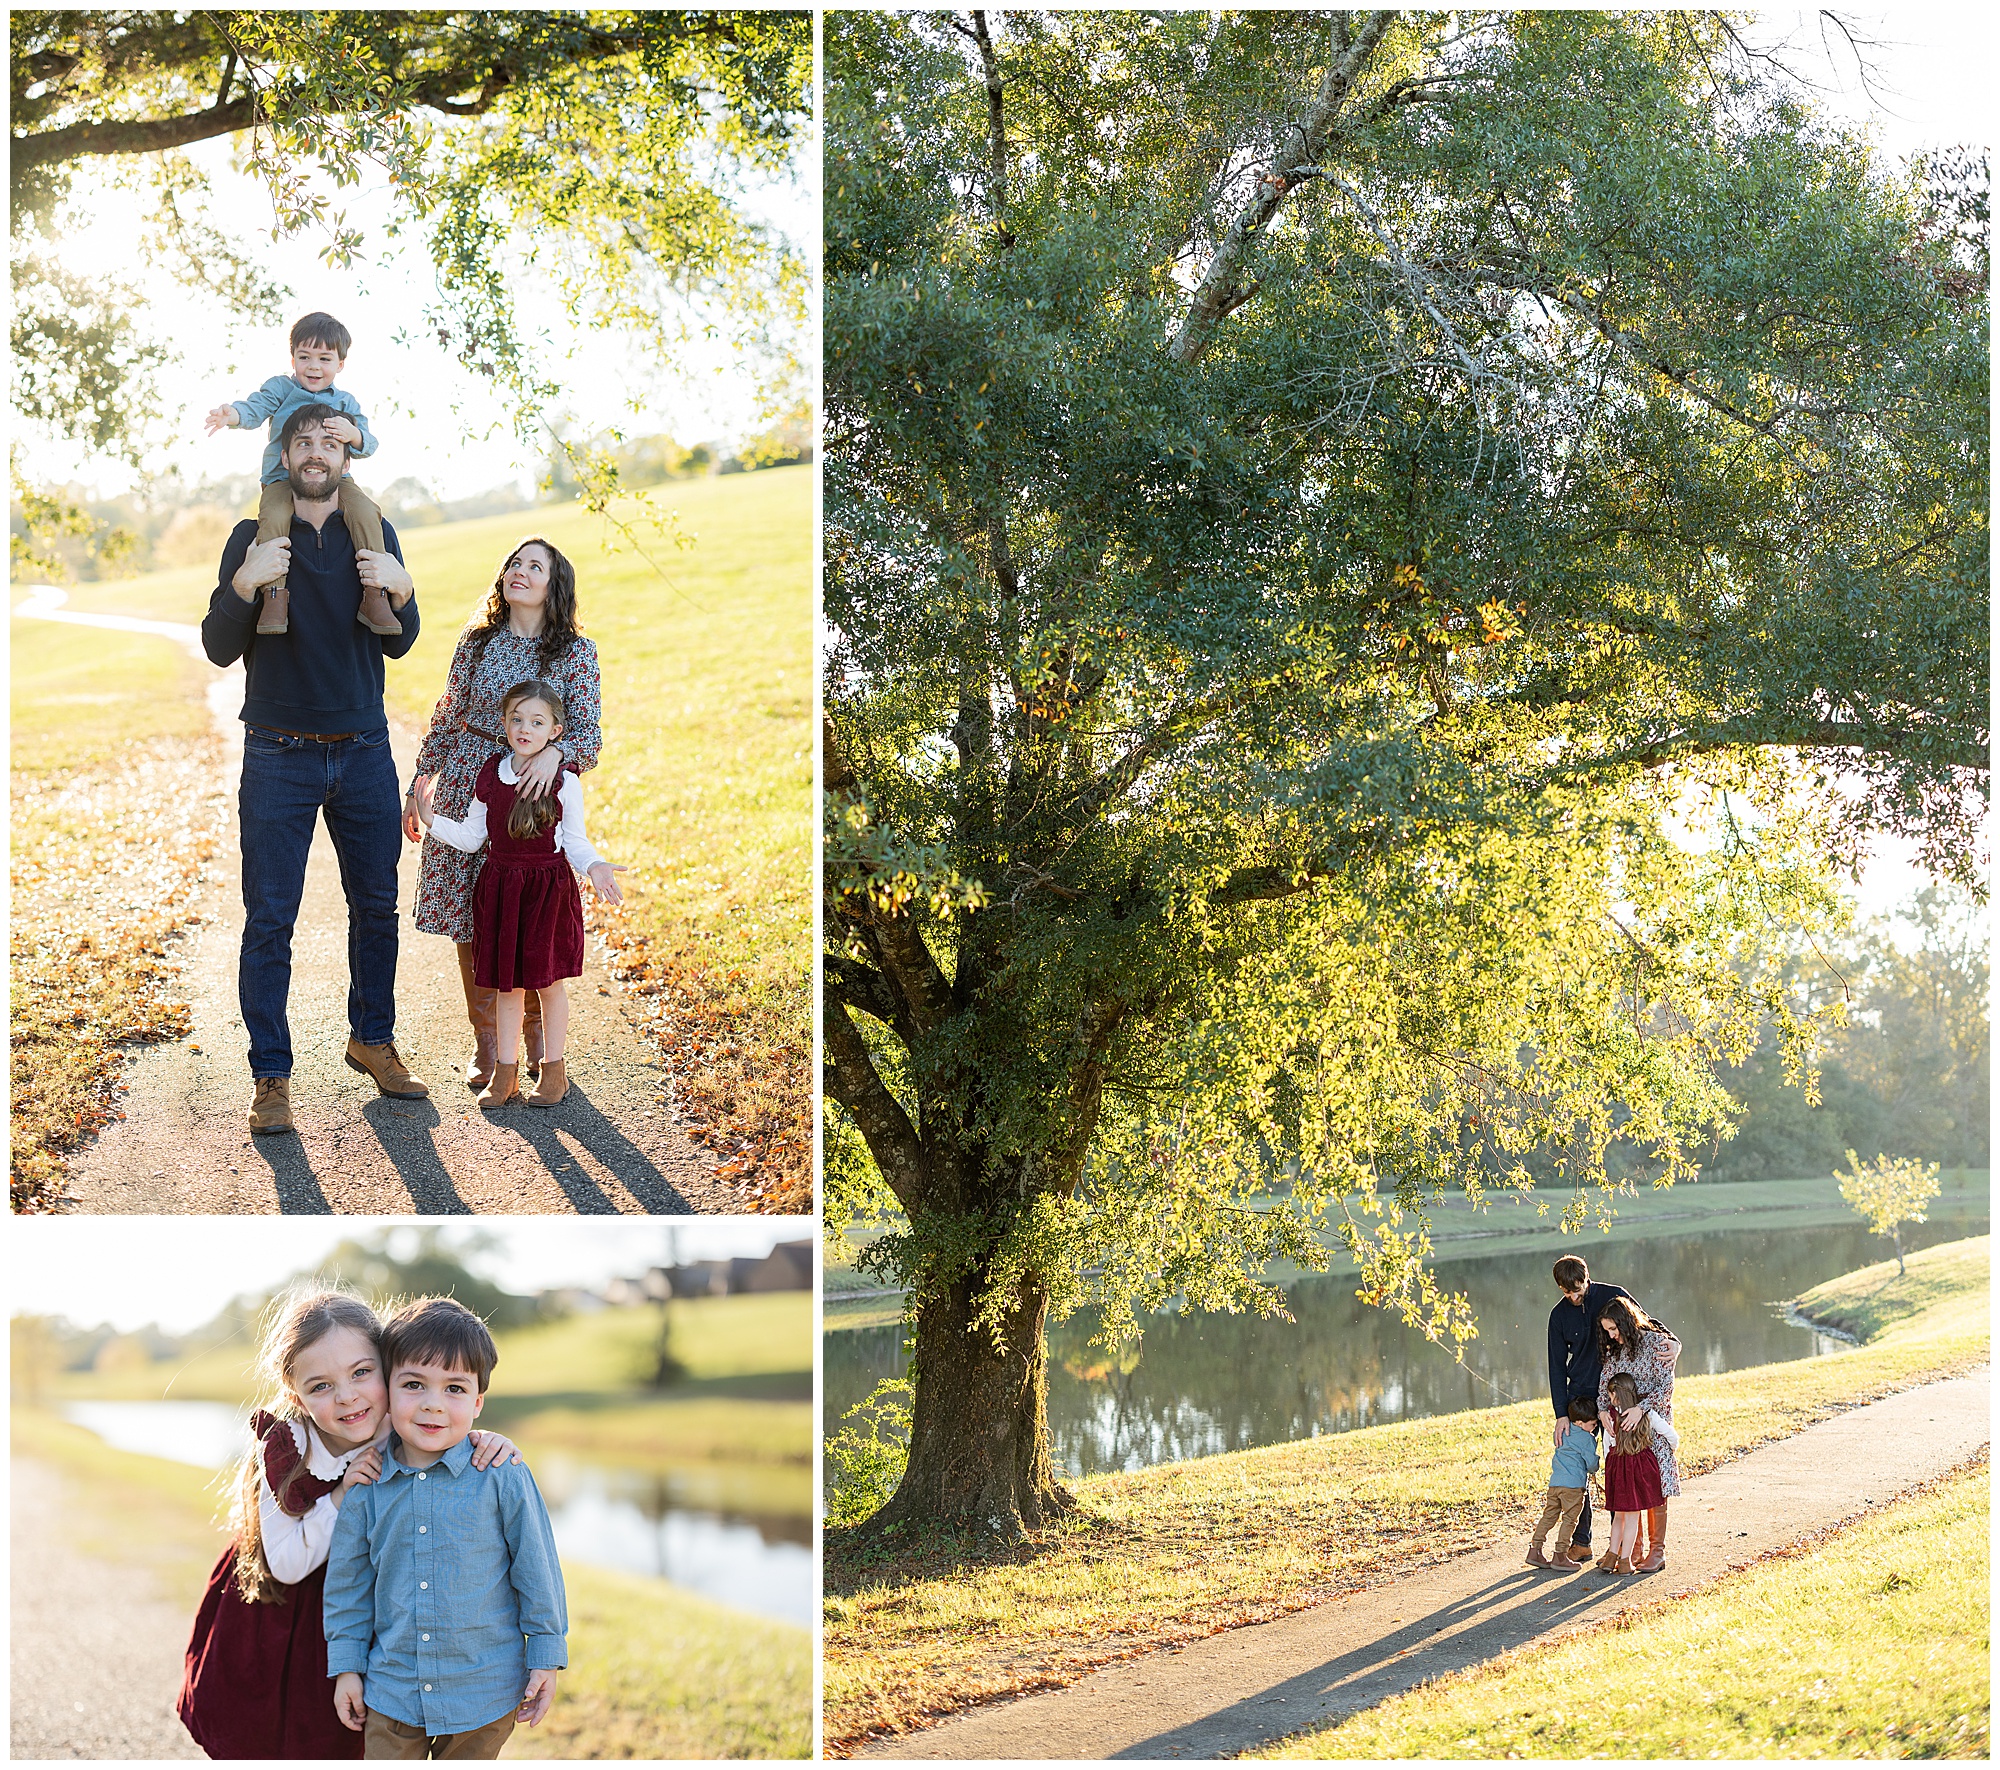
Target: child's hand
<point>343,430</point>
<point>603,882</point>
<point>347,1703</point>
<point>420,791</point>
<point>222,418</point>
<point>489,1448</point>
<point>365,1468</point>
<point>535,1700</point>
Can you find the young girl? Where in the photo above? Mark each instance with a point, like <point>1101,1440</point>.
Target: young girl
<point>527,921</point>
<point>1632,1477</point>
<point>256,1683</point>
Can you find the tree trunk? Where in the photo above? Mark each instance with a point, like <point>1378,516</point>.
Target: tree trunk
<point>979,1436</point>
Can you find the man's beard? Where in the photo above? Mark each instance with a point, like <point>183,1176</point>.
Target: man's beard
<point>313,494</point>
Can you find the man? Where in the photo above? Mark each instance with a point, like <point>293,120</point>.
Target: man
<point>1574,1364</point>
<point>316,742</point>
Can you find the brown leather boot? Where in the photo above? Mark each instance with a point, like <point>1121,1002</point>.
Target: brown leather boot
<point>271,1110</point>
<point>387,1070</point>
<point>552,1086</point>
<point>275,615</point>
<point>502,1088</point>
<point>375,613</point>
<point>531,1032</point>
<point>481,1006</point>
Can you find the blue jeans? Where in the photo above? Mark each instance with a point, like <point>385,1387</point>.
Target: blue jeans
<point>288,783</point>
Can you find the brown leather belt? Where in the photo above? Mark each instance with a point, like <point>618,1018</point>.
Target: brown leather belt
<point>315,737</point>
<point>467,725</point>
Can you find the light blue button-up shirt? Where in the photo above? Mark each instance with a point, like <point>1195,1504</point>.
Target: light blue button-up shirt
<point>443,1589</point>
<point>277,400</point>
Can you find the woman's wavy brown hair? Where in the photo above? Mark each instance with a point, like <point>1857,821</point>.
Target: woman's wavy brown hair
<point>532,817</point>
<point>1633,1323</point>
<point>297,1319</point>
<point>559,628</point>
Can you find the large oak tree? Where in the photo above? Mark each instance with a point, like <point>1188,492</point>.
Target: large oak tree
<point>1376,562</point>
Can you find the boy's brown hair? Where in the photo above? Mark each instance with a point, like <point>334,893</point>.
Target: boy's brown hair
<point>441,1331</point>
<point>1583,1411</point>
<point>325,331</point>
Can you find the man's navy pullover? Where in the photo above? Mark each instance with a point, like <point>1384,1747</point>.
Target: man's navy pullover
<point>1574,1365</point>
<point>325,675</point>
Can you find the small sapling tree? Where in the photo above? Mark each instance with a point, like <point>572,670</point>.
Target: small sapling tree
<point>1890,1192</point>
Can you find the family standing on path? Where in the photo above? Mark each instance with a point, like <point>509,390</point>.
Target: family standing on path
<point>1611,1370</point>
<point>314,608</point>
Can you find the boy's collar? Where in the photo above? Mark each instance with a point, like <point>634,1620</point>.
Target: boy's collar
<point>455,1459</point>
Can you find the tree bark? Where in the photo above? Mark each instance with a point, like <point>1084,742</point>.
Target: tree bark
<point>979,1437</point>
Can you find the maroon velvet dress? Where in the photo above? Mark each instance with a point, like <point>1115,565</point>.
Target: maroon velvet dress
<point>1632,1481</point>
<point>527,916</point>
<point>256,1683</point>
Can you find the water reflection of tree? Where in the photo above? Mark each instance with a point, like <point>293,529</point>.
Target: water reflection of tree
<point>1201,1384</point>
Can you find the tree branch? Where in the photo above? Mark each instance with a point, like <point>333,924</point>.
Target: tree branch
<point>892,1140</point>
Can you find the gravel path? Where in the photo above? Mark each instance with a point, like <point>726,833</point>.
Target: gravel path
<point>1235,1691</point>
<point>95,1653</point>
<point>615,1145</point>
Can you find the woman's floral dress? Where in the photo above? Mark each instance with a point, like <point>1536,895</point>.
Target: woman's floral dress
<point>453,756</point>
<point>1651,1367</point>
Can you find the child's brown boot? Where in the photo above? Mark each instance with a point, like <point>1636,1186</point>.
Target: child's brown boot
<point>375,613</point>
<point>554,1084</point>
<point>502,1088</point>
<point>275,615</point>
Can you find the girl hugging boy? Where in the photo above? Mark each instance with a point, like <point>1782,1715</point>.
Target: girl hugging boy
<point>319,353</point>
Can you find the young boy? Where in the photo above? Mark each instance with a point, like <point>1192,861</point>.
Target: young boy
<point>319,353</point>
<point>1569,1481</point>
<point>445,1620</point>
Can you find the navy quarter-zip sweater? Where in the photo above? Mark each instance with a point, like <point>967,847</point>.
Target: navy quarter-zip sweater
<point>326,673</point>
<point>1574,1364</point>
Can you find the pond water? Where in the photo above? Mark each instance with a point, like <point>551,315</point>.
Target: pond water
<point>1197,1384</point>
<point>665,1523</point>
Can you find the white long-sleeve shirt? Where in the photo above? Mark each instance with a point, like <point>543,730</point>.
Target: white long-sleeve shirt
<point>469,832</point>
<point>293,1547</point>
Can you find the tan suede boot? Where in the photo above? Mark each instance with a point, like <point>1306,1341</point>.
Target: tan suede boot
<point>275,615</point>
<point>480,1008</point>
<point>375,613</point>
<point>504,1086</point>
<point>552,1086</point>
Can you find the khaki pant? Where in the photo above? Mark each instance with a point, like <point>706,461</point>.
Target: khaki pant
<point>1560,1509</point>
<point>386,1738</point>
<point>360,512</point>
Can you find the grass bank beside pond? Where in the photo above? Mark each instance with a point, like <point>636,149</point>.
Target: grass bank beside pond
<point>655,1672</point>
<point>1873,1642</point>
<point>1175,1552</point>
<point>579,1384</point>
<point>1512,1223</point>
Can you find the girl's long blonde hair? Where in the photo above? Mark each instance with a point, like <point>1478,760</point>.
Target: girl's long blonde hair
<point>297,1319</point>
<point>1631,1439</point>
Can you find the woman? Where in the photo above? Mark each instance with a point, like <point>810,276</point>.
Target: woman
<point>527,631</point>
<point>1630,1343</point>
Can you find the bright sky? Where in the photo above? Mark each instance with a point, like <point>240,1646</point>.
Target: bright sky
<point>434,421</point>
<point>179,1271</point>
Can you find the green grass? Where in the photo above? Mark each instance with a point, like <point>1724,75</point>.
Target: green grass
<point>80,695</point>
<point>1172,1553</point>
<point>1944,1283</point>
<point>654,1672</point>
<point>704,787</point>
<point>1872,1642</point>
